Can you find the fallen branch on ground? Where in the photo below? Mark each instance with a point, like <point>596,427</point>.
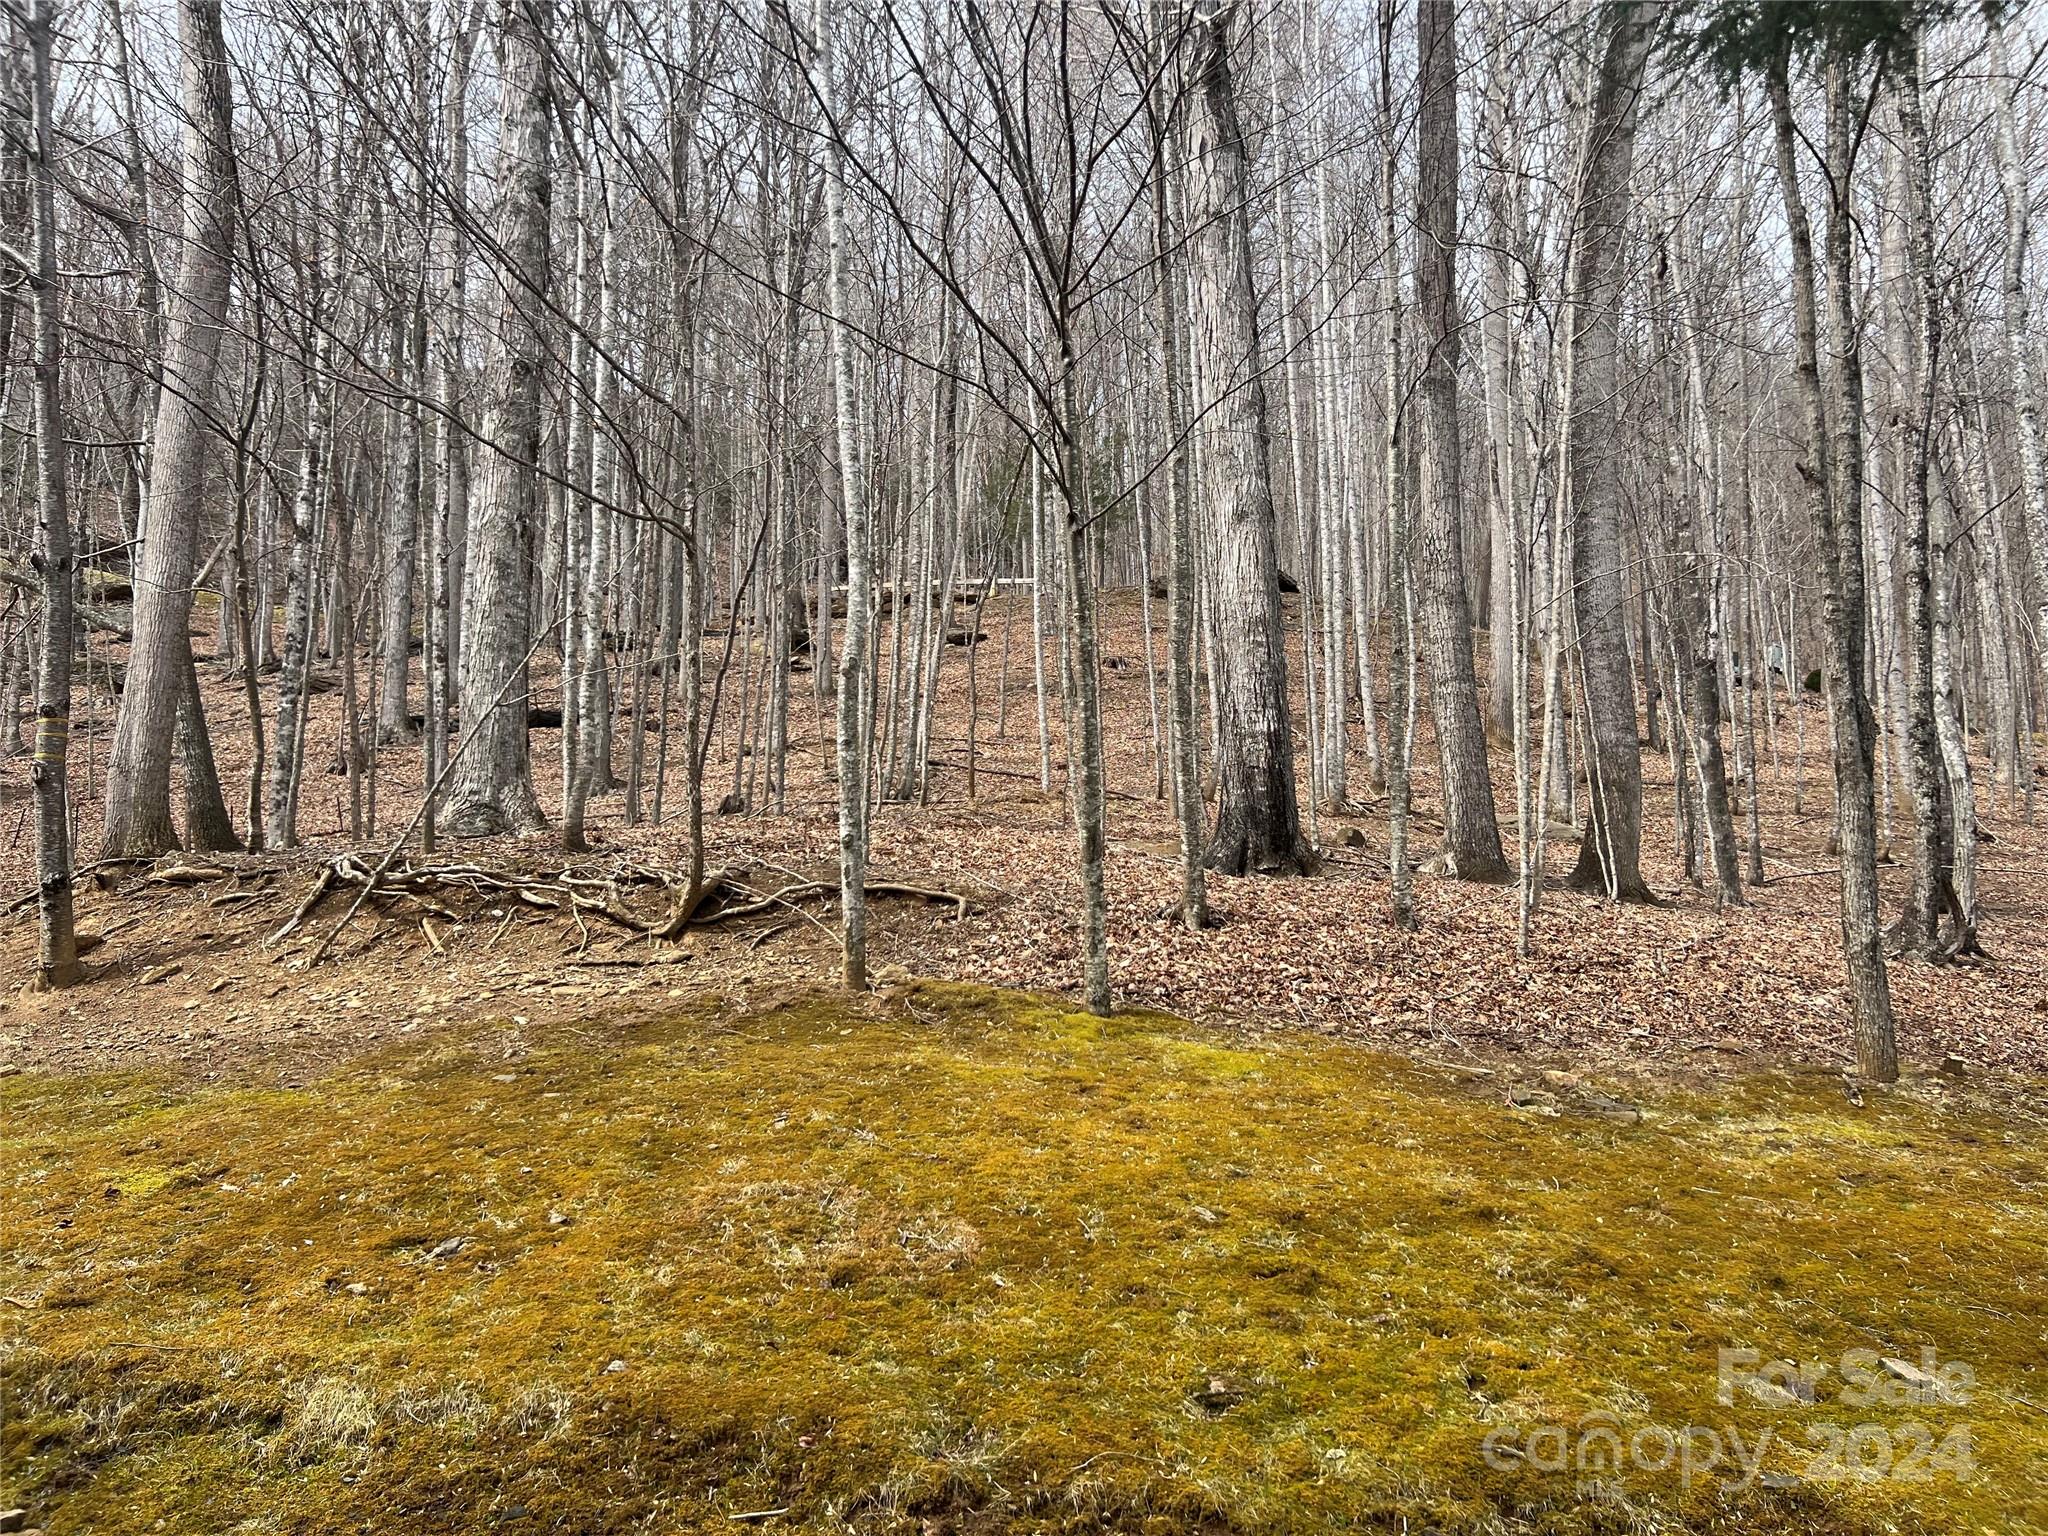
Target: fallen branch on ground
<point>576,893</point>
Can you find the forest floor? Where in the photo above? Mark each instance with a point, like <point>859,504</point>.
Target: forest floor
<point>504,1217</point>
<point>184,978</point>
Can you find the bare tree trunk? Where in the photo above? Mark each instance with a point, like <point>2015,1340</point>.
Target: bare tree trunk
<point>1835,498</point>
<point>401,528</point>
<point>207,825</point>
<point>1931,893</point>
<point>1258,818</point>
<point>49,779</point>
<point>855,665</point>
<point>2019,344</point>
<point>492,788</point>
<point>593,703</point>
<point>1400,659</point>
<point>1697,493</point>
<point>451,457</point>
<point>1084,747</point>
<point>1472,848</point>
<point>1182,746</point>
<point>138,806</point>
<point>302,571</point>
<point>1610,853</point>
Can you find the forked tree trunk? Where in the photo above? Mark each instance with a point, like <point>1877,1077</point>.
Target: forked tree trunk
<point>1695,504</point>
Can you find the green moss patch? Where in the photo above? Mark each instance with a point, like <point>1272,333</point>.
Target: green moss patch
<point>986,1265</point>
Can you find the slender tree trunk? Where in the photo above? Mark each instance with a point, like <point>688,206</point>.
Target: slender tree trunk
<point>1930,893</point>
<point>1401,647</point>
<point>1182,745</point>
<point>1835,497</point>
<point>2017,315</point>
<point>451,455</point>
<point>593,702</point>
<point>281,824</point>
<point>855,663</point>
<point>1084,748</point>
<point>1696,494</point>
<point>1472,849</point>
<point>49,778</point>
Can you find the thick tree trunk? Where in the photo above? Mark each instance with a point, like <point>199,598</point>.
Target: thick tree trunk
<point>1258,817</point>
<point>138,803</point>
<point>492,786</point>
<point>1610,853</point>
<point>1472,848</point>
<point>207,826</point>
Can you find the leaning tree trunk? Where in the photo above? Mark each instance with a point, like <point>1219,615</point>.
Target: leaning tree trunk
<point>1258,818</point>
<point>138,805</point>
<point>57,946</point>
<point>1610,854</point>
<point>491,788</point>
<point>1472,848</point>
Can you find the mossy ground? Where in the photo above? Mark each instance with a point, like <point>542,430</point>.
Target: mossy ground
<point>979,1263</point>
